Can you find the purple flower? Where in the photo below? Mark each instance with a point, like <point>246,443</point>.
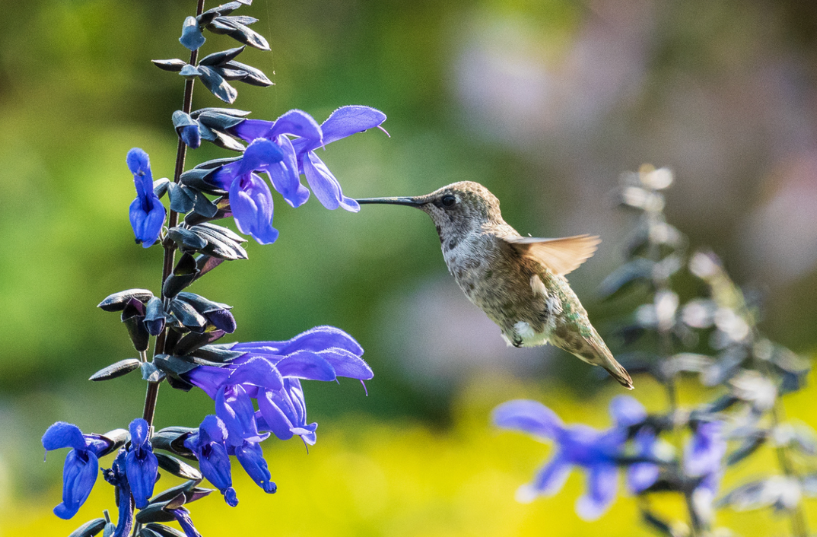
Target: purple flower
<point>117,476</point>
<point>251,457</point>
<point>269,372</point>
<point>283,160</point>
<point>594,451</point>
<point>627,412</point>
<point>214,461</point>
<point>182,516</point>
<point>147,214</point>
<point>141,465</point>
<point>81,464</point>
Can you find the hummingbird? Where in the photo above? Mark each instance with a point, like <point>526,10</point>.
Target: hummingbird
<point>519,282</point>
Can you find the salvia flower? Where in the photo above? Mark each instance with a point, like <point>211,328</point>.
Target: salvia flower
<point>251,457</point>
<point>182,516</point>
<point>117,476</point>
<point>703,456</point>
<point>579,445</point>
<point>147,214</point>
<point>81,464</point>
<point>141,465</point>
<point>628,412</point>
<point>283,160</point>
<point>270,372</point>
<point>208,443</point>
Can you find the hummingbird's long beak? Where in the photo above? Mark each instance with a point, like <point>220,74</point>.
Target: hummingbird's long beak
<point>411,202</point>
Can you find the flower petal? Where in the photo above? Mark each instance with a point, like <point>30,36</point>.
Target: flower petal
<point>627,411</point>
<point>527,416</point>
<point>548,480</point>
<point>209,379</point>
<point>78,478</point>
<point>317,339</point>
<point>61,435</point>
<point>276,419</point>
<point>602,482</point>
<point>251,457</point>
<point>285,177</point>
<point>182,516</point>
<point>349,120</point>
<point>259,155</point>
<point>235,409</point>
<point>251,203</point>
<point>142,471</point>
<point>322,182</point>
<point>250,129</point>
<point>257,372</point>
<point>306,365</point>
<point>347,364</point>
<point>300,124</point>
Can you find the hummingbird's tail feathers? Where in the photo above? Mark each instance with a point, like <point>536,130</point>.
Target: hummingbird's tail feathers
<point>561,256</point>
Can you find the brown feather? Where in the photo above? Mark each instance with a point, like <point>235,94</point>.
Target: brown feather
<point>561,256</point>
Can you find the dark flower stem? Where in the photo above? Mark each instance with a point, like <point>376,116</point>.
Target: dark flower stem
<point>169,246</point>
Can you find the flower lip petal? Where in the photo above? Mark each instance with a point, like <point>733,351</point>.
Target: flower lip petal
<point>61,435</point>
<point>251,203</point>
<point>79,475</point>
<point>527,416</point>
<point>321,181</point>
<point>349,120</point>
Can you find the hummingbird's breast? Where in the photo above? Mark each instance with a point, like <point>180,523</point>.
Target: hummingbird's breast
<point>497,280</point>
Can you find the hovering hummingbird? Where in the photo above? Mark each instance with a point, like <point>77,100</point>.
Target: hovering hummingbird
<point>519,282</point>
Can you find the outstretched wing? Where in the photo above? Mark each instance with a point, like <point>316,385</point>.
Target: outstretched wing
<point>562,256</point>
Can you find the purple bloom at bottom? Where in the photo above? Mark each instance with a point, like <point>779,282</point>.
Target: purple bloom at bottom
<point>208,443</point>
<point>141,465</point>
<point>81,464</point>
<point>117,476</point>
<point>703,456</point>
<point>579,445</point>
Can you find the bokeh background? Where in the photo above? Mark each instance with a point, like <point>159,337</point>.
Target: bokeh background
<point>545,102</point>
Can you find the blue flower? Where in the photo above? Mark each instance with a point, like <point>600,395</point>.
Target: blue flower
<point>191,136</point>
<point>141,465</point>
<point>117,476</point>
<point>147,214</point>
<point>208,443</point>
<point>283,160</point>
<point>269,372</point>
<point>182,516</point>
<point>251,457</point>
<point>628,412</point>
<point>594,451</point>
<point>703,456</point>
<point>81,464</point>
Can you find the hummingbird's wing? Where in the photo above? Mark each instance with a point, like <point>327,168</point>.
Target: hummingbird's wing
<point>562,256</point>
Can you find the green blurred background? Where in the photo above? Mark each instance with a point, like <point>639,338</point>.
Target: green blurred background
<point>543,101</point>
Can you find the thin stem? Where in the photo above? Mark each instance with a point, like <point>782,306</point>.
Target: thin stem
<point>660,283</point>
<point>169,246</point>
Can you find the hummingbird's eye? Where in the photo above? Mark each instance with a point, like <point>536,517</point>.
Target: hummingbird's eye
<point>449,200</point>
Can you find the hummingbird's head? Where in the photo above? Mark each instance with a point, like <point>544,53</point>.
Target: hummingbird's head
<point>456,209</point>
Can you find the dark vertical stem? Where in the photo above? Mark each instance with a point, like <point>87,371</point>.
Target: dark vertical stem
<point>169,246</point>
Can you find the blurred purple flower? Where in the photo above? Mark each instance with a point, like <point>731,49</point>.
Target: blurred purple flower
<point>147,214</point>
<point>628,412</point>
<point>81,464</point>
<point>141,465</point>
<point>594,451</point>
<point>703,456</point>
<point>208,443</point>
